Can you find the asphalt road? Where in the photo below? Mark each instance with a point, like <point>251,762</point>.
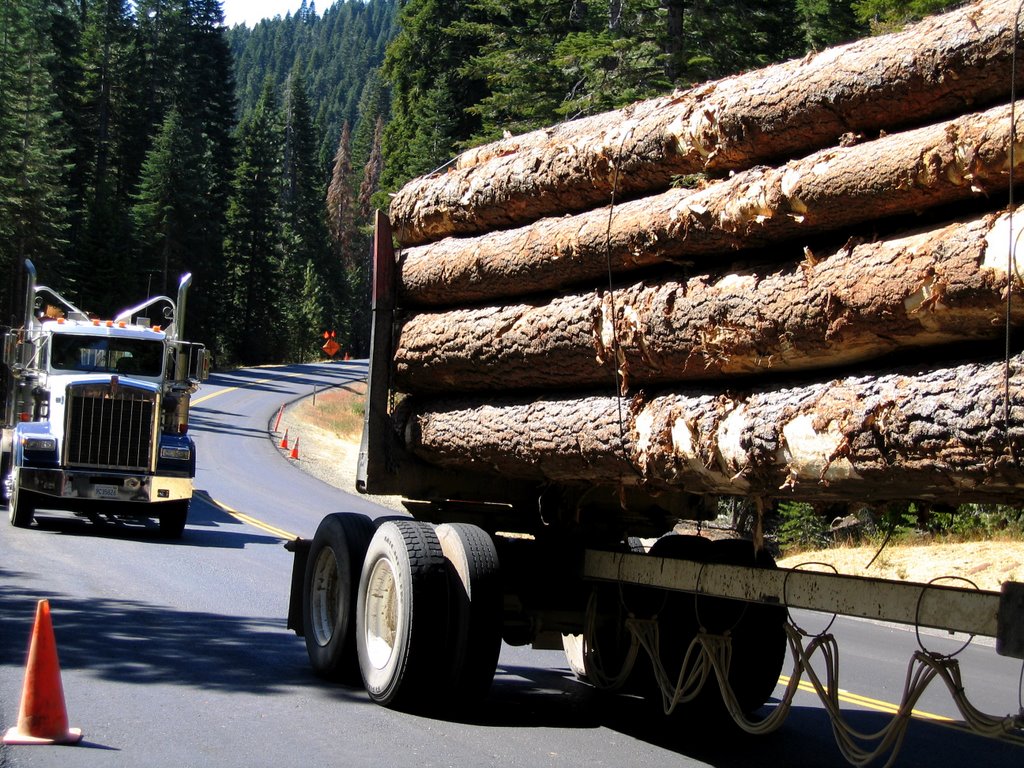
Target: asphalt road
<point>175,654</point>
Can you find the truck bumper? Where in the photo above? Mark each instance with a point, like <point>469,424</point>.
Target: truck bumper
<point>103,486</point>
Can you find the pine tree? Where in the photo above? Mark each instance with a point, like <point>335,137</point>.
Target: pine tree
<point>885,15</point>
<point>304,232</point>
<point>617,59</point>
<point>207,99</point>
<point>253,244</point>
<point>371,174</point>
<point>168,211</point>
<point>432,91</point>
<point>101,249</point>
<point>828,22</point>
<point>339,196</point>
<point>32,191</point>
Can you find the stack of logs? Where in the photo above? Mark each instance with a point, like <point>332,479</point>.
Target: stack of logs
<point>791,283</point>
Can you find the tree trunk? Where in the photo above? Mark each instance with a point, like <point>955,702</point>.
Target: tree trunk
<point>825,192</point>
<point>931,434</point>
<point>864,301</point>
<point>934,69</point>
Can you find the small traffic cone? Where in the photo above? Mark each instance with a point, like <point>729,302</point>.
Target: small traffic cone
<point>284,440</point>
<point>295,451</point>
<point>42,718</point>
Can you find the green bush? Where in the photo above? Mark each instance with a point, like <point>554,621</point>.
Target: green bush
<point>801,527</point>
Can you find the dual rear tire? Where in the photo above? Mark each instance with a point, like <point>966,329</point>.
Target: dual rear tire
<point>409,610</point>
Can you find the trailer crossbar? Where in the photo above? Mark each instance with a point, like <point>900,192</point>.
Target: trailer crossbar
<point>937,606</point>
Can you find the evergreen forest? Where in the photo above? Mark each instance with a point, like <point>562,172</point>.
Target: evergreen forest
<point>140,140</point>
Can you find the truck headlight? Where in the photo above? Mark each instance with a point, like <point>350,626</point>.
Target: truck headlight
<point>43,444</point>
<point>175,454</point>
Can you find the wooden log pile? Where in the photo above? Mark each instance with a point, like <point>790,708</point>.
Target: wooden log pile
<point>820,313</point>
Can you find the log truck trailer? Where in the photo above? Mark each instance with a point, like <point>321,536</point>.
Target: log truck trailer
<point>544,507</point>
<point>96,411</point>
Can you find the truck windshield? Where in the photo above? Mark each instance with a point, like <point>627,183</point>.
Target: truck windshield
<point>106,354</point>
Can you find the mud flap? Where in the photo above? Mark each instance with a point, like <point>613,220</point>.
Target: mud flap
<point>301,549</point>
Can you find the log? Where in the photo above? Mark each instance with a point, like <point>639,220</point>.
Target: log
<point>938,68</point>
<point>934,287</point>
<point>827,191</point>
<point>934,435</point>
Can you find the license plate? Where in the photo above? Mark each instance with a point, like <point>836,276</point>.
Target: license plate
<point>106,491</point>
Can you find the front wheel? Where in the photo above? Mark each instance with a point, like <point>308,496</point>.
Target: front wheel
<point>172,516</point>
<point>6,477</point>
<point>402,614</point>
<point>21,508</point>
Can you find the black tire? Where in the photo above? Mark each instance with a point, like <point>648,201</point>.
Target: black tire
<point>172,516</point>
<point>475,610</point>
<point>5,470</point>
<point>677,618</point>
<point>610,641</point>
<point>21,508</point>
<point>757,631</point>
<point>329,588</point>
<point>402,615</point>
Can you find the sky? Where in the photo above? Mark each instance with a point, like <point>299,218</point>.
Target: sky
<point>250,12</point>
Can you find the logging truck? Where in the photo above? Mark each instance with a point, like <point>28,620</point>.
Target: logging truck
<point>572,352</point>
<point>96,411</point>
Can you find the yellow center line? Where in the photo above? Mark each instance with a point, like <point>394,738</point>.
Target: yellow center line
<point>868,703</point>
<point>247,518</point>
<point>224,391</point>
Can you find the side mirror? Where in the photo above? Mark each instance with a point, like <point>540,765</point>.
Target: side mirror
<point>199,363</point>
<point>10,347</point>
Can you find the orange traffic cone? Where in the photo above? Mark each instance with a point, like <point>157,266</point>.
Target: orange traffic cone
<point>284,440</point>
<point>295,451</point>
<point>42,718</point>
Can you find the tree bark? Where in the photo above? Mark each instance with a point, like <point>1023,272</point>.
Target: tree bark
<point>934,69</point>
<point>935,287</point>
<point>825,192</point>
<point>935,435</point>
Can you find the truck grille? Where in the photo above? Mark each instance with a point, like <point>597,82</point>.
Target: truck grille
<point>109,427</point>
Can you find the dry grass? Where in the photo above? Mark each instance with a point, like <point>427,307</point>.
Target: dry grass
<point>338,411</point>
<point>329,432</point>
<point>985,563</point>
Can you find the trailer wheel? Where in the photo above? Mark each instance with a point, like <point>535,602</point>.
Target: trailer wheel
<point>329,589</point>
<point>677,620</point>
<point>573,647</point>
<point>402,614</point>
<point>475,609</point>
<point>757,631</point>
<point>21,507</point>
<point>172,516</point>
<point>608,608</point>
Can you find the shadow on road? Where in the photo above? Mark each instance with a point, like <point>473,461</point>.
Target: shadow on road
<point>135,642</point>
<point>542,698</point>
<point>208,526</point>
